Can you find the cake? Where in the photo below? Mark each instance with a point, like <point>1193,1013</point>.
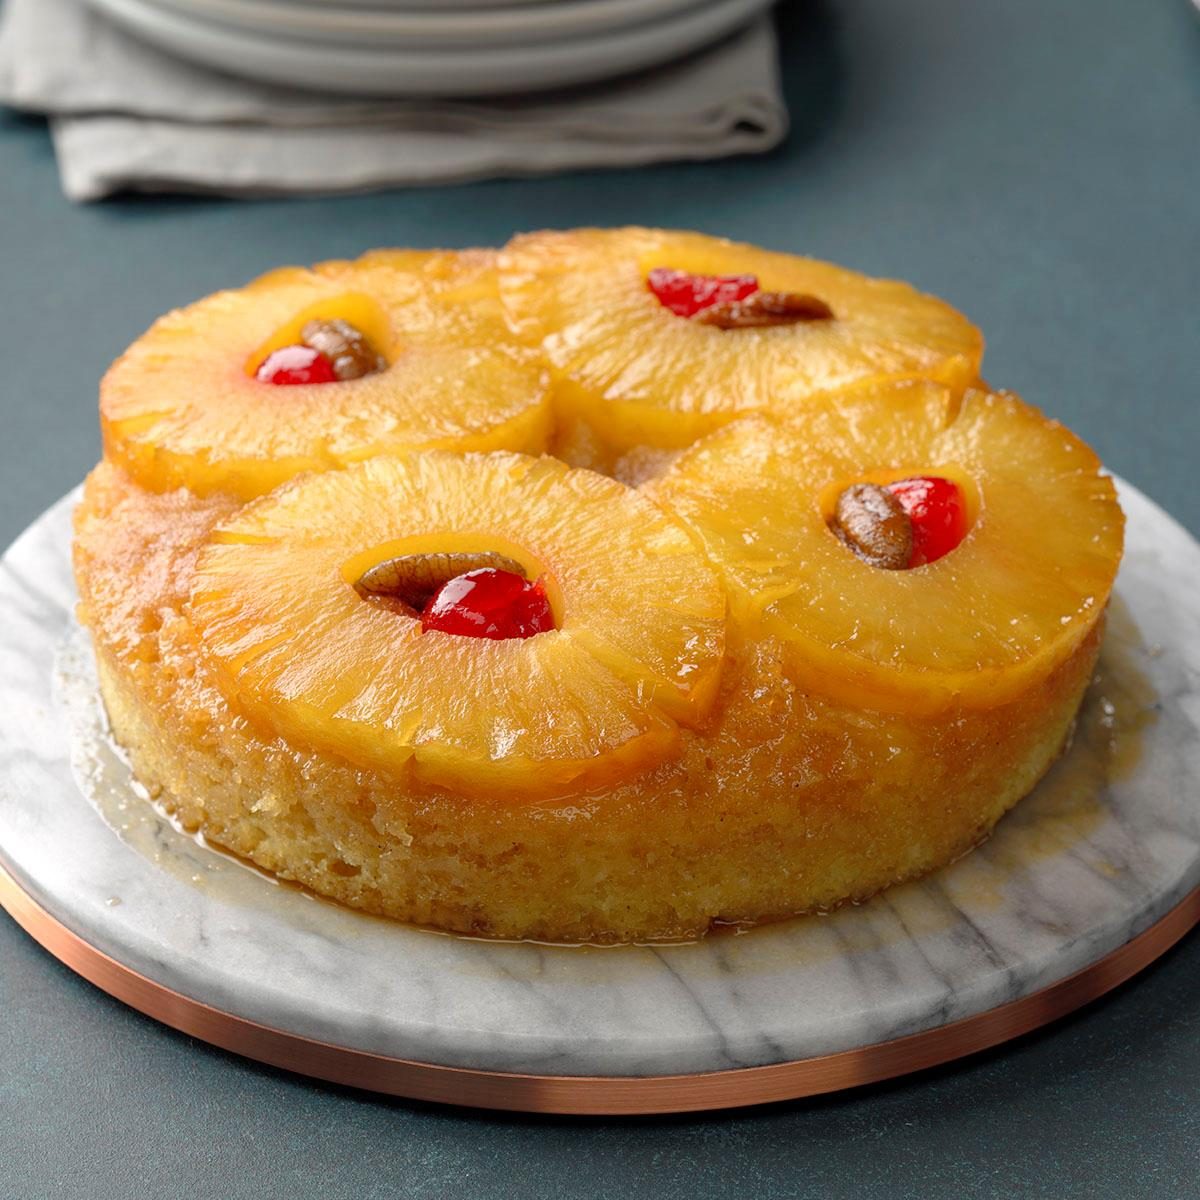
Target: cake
<point>354,625</point>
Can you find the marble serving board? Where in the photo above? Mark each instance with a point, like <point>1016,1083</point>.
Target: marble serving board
<point>1108,843</point>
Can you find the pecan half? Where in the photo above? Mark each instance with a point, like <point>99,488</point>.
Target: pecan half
<point>409,580</point>
<point>873,523</point>
<point>347,348</point>
<point>765,308</point>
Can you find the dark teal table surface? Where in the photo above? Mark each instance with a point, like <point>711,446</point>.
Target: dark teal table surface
<point>1037,164</point>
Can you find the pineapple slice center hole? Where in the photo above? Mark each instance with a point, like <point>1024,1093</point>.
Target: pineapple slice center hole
<point>403,575</point>
<point>888,540</point>
<point>721,295</point>
<point>351,330</point>
<point>414,579</point>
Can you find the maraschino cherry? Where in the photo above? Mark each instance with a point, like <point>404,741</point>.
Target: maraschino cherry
<point>489,603</point>
<point>686,294</point>
<point>938,514</point>
<point>295,364</point>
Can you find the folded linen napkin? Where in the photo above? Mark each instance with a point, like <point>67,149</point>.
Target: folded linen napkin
<point>126,116</point>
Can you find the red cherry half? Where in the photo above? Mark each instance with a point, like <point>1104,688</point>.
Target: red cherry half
<point>489,603</point>
<point>295,364</point>
<point>686,295</point>
<point>938,513</point>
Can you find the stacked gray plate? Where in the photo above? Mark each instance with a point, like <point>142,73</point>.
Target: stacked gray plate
<point>431,47</point>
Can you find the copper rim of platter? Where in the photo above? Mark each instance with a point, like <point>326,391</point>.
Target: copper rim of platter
<point>595,1094</point>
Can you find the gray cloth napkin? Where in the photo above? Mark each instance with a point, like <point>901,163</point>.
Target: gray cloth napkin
<point>127,116</point>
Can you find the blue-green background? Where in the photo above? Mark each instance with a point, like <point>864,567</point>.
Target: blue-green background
<point>1037,164</point>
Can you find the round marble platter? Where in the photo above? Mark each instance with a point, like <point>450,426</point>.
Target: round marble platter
<point>1100,865</point>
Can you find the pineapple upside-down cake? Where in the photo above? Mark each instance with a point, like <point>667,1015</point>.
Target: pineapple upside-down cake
<point>798,608</point>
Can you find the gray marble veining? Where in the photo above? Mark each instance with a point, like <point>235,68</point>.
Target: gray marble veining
<point>1108,843</point>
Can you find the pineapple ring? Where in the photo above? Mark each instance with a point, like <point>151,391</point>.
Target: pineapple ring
<point>979,626</point>
<point>181,407</point>
<point>641,376</point>
<point>598,699</point>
